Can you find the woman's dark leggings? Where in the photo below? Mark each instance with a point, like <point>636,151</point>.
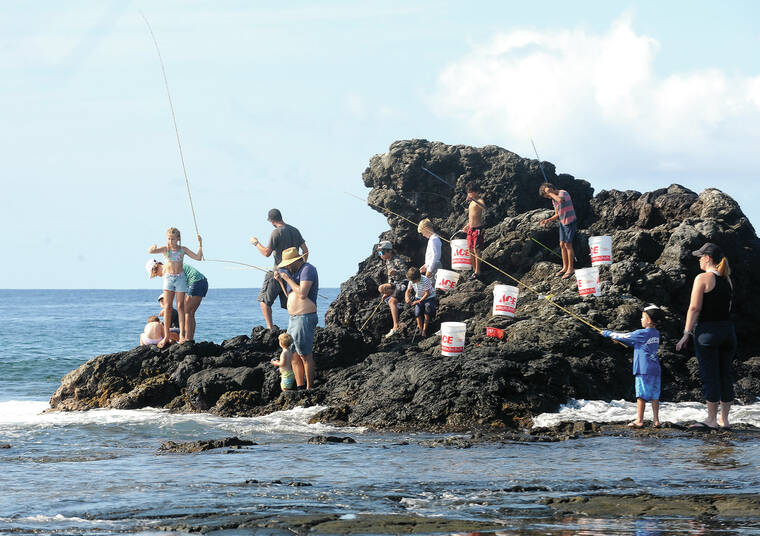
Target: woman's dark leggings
<point>715,345</point>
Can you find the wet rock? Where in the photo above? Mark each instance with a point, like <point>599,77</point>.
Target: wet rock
<point>190,447</point>
<point>204,388</point>
<point>5,445</point>
<point>322,440</point>
<point>746,506</point>
<point>449,442</point>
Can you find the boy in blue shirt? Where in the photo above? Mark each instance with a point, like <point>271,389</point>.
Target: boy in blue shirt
<point>646,366</point>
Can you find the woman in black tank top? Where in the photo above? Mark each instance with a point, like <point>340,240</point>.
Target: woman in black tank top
<point>709,322</point>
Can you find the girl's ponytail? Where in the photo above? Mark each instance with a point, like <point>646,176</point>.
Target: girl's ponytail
<point>723,268</point>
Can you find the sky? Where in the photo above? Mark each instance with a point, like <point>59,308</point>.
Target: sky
<point>283,104</point>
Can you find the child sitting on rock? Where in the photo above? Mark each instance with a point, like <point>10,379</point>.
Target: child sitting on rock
<point>392,291</point>
<point>287,378</point>
<point>425,302</point>
<point>646,366</point>
<point>153,332</point>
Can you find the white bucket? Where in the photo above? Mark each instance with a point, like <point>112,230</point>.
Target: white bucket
<point>446,279</point>
<point>588,281</point>
<point>452,338</point>
<point>505,300</point>
<point>601,250</point>
<point>460,255</point>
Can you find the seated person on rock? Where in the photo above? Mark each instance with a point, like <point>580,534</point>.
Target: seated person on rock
<point>174,326</point>
<point>153,332</point>
<point>287,378</point>
<point>424,302</point>
<point>392,291</point>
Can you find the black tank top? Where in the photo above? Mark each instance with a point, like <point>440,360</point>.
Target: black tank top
<point>716,304</point>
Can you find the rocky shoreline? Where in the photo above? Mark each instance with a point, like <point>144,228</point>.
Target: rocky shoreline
<point>546,356</point>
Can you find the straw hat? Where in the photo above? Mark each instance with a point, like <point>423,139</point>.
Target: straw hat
<point>289,256</point>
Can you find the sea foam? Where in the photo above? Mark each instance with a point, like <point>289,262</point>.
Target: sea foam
<point>620,410</point>
<point>26,413</point>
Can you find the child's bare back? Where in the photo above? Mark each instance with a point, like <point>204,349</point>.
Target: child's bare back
<point>287,378</point>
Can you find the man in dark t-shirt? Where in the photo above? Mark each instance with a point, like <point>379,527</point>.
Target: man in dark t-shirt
<point>283,237</point>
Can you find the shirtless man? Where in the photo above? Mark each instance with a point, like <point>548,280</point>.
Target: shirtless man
<point>302,283</point>
<point>474,227</point>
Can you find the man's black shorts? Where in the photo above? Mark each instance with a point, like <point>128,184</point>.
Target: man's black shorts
<point>270,290</point>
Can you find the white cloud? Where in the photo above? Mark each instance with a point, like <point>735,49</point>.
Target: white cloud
<point>596,105</point>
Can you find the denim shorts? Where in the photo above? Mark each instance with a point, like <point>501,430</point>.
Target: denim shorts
<point>301,328</point>
<point>567,232</point>
<point>428,307</point>
<point>175,282</point>
<point>199,288</point>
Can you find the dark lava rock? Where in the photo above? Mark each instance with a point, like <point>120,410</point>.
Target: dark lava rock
<point>545,357</point>
<point>189,447</point>
<point>322,440</point>
<point>745,506</point>
<point>5,445</point>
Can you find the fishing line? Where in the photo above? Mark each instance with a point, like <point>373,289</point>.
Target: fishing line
<point>251,266</point>
<point>546,248</point>
<point>519,283</point>
<point>481,205</point>
<point>174,120</point>
<point>539,160</point>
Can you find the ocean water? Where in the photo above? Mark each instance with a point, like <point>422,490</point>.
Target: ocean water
<point>98,472</point>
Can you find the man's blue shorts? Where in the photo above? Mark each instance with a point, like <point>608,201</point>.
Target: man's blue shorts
<point>301,328</point>
<point>648,386</point>
<point>567,232</point>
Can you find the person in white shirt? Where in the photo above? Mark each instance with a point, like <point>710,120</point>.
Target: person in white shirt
<point>433,251</point>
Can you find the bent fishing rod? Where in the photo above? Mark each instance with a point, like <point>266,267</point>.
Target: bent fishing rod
<point>174,120</point>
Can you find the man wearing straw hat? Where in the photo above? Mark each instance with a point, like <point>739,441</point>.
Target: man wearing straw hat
<point>302,283</point>
<point>283,237</point>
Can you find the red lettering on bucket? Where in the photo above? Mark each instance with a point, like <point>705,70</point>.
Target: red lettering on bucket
<point>447,283</point>
<point>453,349</point>
<point>447,339</point>
<point>505,308</point>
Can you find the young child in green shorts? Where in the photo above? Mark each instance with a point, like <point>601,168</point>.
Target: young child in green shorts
<point>287,378</point>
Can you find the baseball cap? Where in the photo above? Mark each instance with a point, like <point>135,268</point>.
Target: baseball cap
<point>653,312</point>
<point>713,250</point>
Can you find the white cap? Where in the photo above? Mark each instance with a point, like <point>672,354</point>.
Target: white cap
<point>149,266</point>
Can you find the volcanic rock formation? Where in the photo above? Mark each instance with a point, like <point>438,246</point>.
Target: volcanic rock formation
<point>546,356</point>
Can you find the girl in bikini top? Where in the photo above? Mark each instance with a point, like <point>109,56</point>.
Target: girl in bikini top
<point>175,253</point>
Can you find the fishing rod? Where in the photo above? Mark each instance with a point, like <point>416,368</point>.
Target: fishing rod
<point>450,186</point>
<point>251,266</point>
<point>174,120</point>
<point>519,282</point>
<point>439,178</point>
<point>540,165</point>
<point>373,314</point>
